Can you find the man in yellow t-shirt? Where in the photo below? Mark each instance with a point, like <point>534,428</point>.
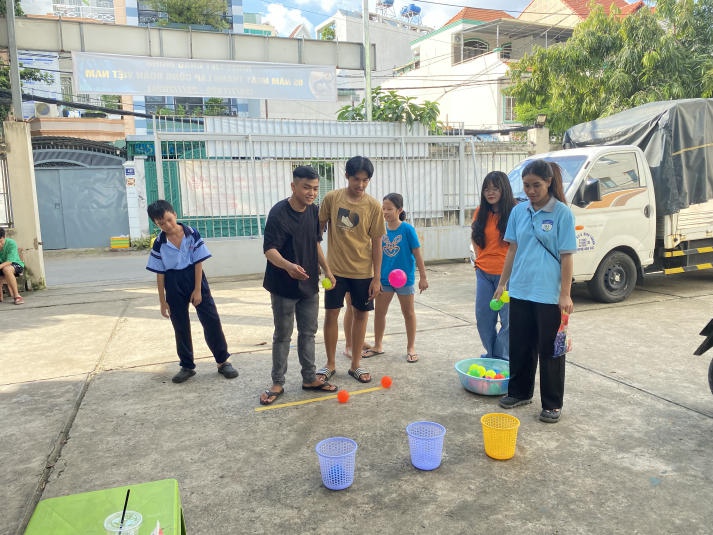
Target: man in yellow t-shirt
<point>355,226</point>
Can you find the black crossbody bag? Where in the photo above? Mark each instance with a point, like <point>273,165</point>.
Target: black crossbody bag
<point>553,255</point>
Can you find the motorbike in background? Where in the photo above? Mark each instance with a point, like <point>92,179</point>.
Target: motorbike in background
<point>705,346</point>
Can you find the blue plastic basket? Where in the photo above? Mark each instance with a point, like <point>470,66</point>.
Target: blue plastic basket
<point>425,440</point>
<point>337,456</point>
<point>481,385</point>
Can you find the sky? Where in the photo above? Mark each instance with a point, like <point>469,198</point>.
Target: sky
<point>285,16</point>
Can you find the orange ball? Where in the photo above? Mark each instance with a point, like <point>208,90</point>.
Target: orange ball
<point>386,381</point>
<point>343,396</point>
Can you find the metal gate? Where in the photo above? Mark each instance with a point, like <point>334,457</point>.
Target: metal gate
<point>81,208</point>
<point>223,174</point>
<point>81,192</point>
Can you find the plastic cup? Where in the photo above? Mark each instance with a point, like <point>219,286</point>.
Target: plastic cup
<point>132,523</point>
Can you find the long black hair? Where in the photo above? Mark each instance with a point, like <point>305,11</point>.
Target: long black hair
<point>498,180</point>
<point>398,201</point>
<point>544,170</point>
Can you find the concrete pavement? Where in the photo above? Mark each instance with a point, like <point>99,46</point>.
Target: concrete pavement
<point>87,403</point>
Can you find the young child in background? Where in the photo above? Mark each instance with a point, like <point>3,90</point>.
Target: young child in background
<point>489,223</point>
<point>539,267</point>
<point>177,259</point>
<point>401,250</point>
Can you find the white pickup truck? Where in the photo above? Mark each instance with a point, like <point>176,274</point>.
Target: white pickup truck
<point>620,235</point>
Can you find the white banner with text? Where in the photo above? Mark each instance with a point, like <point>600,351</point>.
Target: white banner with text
<point>113,74</point>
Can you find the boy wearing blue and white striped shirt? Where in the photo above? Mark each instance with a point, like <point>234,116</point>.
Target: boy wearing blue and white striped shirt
<point>177,259</point>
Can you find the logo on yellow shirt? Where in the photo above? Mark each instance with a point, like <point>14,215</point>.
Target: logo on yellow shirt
<point>346,219</point>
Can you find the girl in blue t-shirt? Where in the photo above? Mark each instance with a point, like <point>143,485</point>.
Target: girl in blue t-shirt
<point>539,267</point>
<point>401,250</point>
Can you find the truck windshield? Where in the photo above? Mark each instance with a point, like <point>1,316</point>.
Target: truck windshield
<point>570,166</point>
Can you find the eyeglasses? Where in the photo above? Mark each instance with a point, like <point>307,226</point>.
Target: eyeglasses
<point>491,188</point>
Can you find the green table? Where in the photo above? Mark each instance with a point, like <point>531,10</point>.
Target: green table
<point>79,514</point>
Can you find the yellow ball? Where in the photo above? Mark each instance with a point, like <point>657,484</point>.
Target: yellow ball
<point>326,283</point>
<point>505,297</point>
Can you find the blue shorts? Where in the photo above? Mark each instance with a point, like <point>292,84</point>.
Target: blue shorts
<point>404,290</point>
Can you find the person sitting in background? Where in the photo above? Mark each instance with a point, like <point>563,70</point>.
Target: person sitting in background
<point>11,267</point>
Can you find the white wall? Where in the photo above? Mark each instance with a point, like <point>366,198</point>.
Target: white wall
<point>470,92</point>
<point>475,100</point>
<point>244,256</point>
<point>552,12</point>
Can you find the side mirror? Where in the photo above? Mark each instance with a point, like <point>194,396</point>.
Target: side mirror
<point>590,192</point>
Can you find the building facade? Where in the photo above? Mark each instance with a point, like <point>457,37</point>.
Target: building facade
<point>463,66</point>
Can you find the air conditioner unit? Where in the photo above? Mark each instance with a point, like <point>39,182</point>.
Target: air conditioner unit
<point>42,109</point>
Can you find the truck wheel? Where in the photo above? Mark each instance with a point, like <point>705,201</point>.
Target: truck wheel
<point>615,278</point>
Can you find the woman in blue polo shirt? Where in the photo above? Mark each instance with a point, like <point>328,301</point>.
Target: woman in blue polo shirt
<point>538,266</point>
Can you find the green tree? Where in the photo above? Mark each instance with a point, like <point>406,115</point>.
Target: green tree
<point>328,33</point>
<point>389,106</point>
<point>215,106</point>
<point>612,63</point>
<point>111,101</point>
<point>188,12</point>
<point>18,8</point>
<point>25,74</point>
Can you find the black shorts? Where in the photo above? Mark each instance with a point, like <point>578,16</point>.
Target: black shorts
<point>358,290</point>
<point>18,269</point>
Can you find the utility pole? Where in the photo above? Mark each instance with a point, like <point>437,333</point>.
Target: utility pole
<point>367,60</point>
<point>15,87</point>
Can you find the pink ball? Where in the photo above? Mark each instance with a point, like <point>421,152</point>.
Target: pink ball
<point>397,278</point>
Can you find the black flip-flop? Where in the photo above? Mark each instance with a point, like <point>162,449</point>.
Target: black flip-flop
<point>320,387</point>
<point>326,372</point>
<point>271,397</point>
<point>358,373</point>
<point>368,353</point>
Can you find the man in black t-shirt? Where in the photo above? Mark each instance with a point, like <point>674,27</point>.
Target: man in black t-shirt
<point>294,256</point>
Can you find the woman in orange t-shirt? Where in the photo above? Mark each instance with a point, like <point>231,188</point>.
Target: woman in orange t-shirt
<point>489,223</point>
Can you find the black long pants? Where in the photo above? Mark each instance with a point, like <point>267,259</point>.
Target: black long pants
<point>533,328</point>
<point>179,285</point>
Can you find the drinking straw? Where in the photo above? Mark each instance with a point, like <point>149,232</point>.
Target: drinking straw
<point>123,512</point>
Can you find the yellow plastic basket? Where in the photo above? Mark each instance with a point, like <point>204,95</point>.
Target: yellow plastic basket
<point>499,435</point>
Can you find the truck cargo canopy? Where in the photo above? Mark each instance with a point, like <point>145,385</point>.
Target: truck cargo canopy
<point>677,139</point>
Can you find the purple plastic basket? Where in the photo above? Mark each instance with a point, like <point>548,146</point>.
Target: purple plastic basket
<point>425,440</point>
<point>337,456</point>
